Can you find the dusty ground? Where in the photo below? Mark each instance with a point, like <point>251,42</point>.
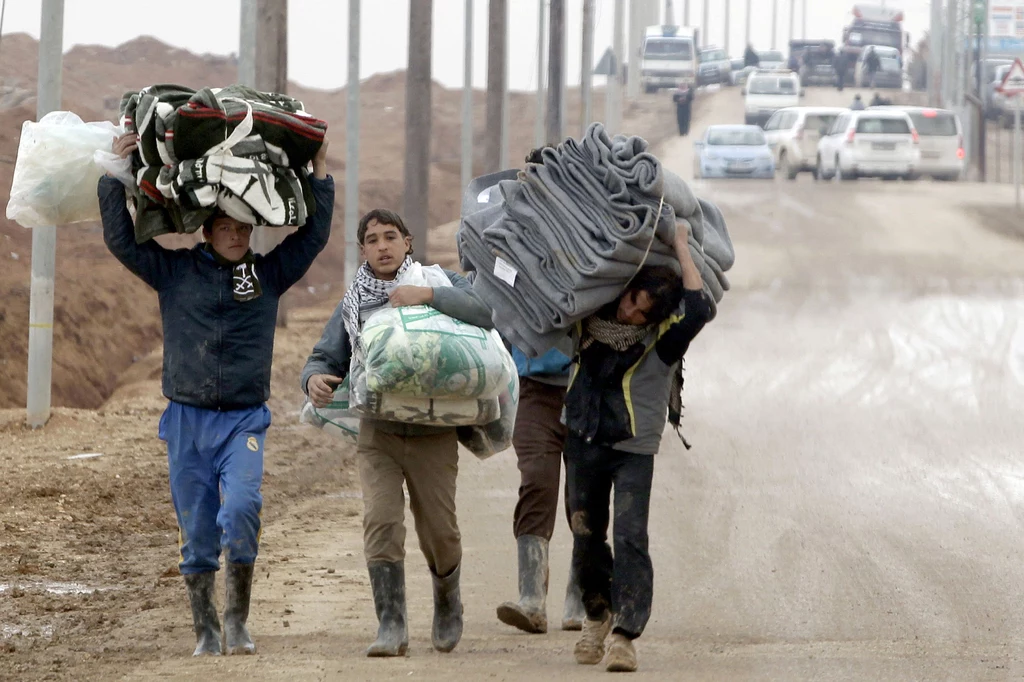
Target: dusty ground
<point>850,509</point>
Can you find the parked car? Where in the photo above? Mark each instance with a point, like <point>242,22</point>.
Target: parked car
<point>996,105</point>
<point>890,71</point>
<point>793,135</point>
<point>771,60</point>
<point>767,92</point>
<point>870,143</point>
<point>941,141</point>
<point>733,151</point>
<point>735,66</point>
<point>715,66</point>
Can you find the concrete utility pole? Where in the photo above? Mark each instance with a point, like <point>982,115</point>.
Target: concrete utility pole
<point>746,39</point>
<point>467,99</point>
<point>352,146</point>
<point>775,22</point>
<point>538,127</point>
<point>497,14</point>
<point>44,239</point>
<point>416,202</point>
<point>636,11</point>
<point>556,73</point>
<point>803,19</point>
<point>792,19</point>
<point>587,67</point>
<point>949,55</point>
<point>935,52</point>
<point>686,12</point>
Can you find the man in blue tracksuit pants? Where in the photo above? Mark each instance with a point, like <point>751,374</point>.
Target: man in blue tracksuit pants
<point>218,304</point>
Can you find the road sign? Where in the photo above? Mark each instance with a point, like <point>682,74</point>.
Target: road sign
<point>1013,84</point>
<point>606,66</point>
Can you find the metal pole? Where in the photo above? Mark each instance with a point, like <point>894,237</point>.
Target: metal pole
<point>556,72</point>
<point>686,12</point>
<point>247,44</point>
<point>935,55</point>
<point>669,12</point>
<point>416,198</point>
<point>727,26</point>
<point>746,39</point>
<point>979,91</point>
<point>1018,157</point>
<point>792,19</point>
<point>538,126</point>
<point>505,109</point>
<point>495,117</point>
<point>705,23</point>
<point>467,99</point>
<point>613,95</point>
<point>44,239</point>
<point>949,71</point>
<point>352,146</point>
<point>587,69</point>
<point>775,21</point>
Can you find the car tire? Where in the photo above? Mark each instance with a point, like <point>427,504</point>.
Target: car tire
<point>819,171</point>
<point>840,176</point>
<point>785,167</point>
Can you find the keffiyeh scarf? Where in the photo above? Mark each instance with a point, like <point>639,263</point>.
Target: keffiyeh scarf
<point>367,293</point>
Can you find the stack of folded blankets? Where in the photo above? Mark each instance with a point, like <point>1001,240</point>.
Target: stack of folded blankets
<point>555,242</point>
<point>232,149</point>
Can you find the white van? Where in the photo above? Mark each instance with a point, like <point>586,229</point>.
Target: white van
<point>668,58</point>
<point>767,92</point>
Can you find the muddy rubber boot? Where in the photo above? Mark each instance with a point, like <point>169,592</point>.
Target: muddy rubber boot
<point>589,649</point>
<point>447,629</point>
<point>387,580</point>
<point>529,614</point>
<point>238,579</point>
<point>573,614</point>
<point>621,655</point>
<point>204,613</point>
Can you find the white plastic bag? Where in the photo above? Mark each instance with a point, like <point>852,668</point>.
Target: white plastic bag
<point>337,419</point>
<point>55,175</point>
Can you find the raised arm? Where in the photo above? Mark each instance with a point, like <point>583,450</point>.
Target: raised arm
<point>150,262</point>
<point>286,264</point>
<point>695,309</point>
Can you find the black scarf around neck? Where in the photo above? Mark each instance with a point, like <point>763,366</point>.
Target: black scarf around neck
<point>245,285</point>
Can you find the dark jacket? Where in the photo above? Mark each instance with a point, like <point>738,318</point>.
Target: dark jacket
<point>620,399</point>
<point>217,351</point>
<point>332,354</point>
<point>750,57</point>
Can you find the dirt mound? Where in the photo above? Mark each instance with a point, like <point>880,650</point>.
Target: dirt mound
<point>105,318</point>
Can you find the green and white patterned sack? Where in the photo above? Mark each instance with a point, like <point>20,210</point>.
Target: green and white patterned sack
<point>418,352</point>
<point>338,418</point>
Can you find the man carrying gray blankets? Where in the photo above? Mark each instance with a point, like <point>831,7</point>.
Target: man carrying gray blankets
<point>596,226</point>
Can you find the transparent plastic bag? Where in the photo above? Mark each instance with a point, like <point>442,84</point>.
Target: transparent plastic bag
<point>490,439</point>
<point>55,174</point>
<point>337,419</point>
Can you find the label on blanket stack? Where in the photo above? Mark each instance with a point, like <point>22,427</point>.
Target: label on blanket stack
<point>505,272</point>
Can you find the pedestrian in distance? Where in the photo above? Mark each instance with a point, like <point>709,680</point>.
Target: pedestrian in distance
<point>628,364</point>
<point>218,304</point>
<point>858,103</point>
<point>391,454</point>
<point>872,64</point>
<point>841,65</point>
<point>539,439</point>
<point>683,98</point>
<point>750,57</point>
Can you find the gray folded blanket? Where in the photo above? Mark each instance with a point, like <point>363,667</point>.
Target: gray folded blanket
<point>555,242</point>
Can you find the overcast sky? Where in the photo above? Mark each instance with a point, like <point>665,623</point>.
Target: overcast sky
<point>318,31</point>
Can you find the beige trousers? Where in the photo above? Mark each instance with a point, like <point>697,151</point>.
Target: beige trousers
<point>428,466</point>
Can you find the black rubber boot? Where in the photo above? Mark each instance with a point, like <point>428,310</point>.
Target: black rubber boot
<point>447,630</point>
<point>529,614</point>
<point>573,614</point>
<point>238,579</point>
<point>204,613</point>
<point>387,580</point>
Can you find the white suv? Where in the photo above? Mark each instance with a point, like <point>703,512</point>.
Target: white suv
<point>870,143</point>
<point>942,141</point>
<point>793,135</point>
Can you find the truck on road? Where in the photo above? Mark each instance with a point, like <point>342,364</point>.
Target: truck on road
<point>669,57</point>
<point>873,25</point>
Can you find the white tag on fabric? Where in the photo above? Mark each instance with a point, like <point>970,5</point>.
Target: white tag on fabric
<point>505,272</point>
<point>484,197</point>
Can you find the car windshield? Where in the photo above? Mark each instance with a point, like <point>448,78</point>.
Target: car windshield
<point>770,56</point>
<point>714,56</point>
<point>668,49</point>
<point>875,37</point>
<point>883,126</point>
<point>736,137</point>
<point>934,123</point>
<point>772,86</point>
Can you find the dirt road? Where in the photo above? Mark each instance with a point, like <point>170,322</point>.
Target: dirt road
<point>851,508</point>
